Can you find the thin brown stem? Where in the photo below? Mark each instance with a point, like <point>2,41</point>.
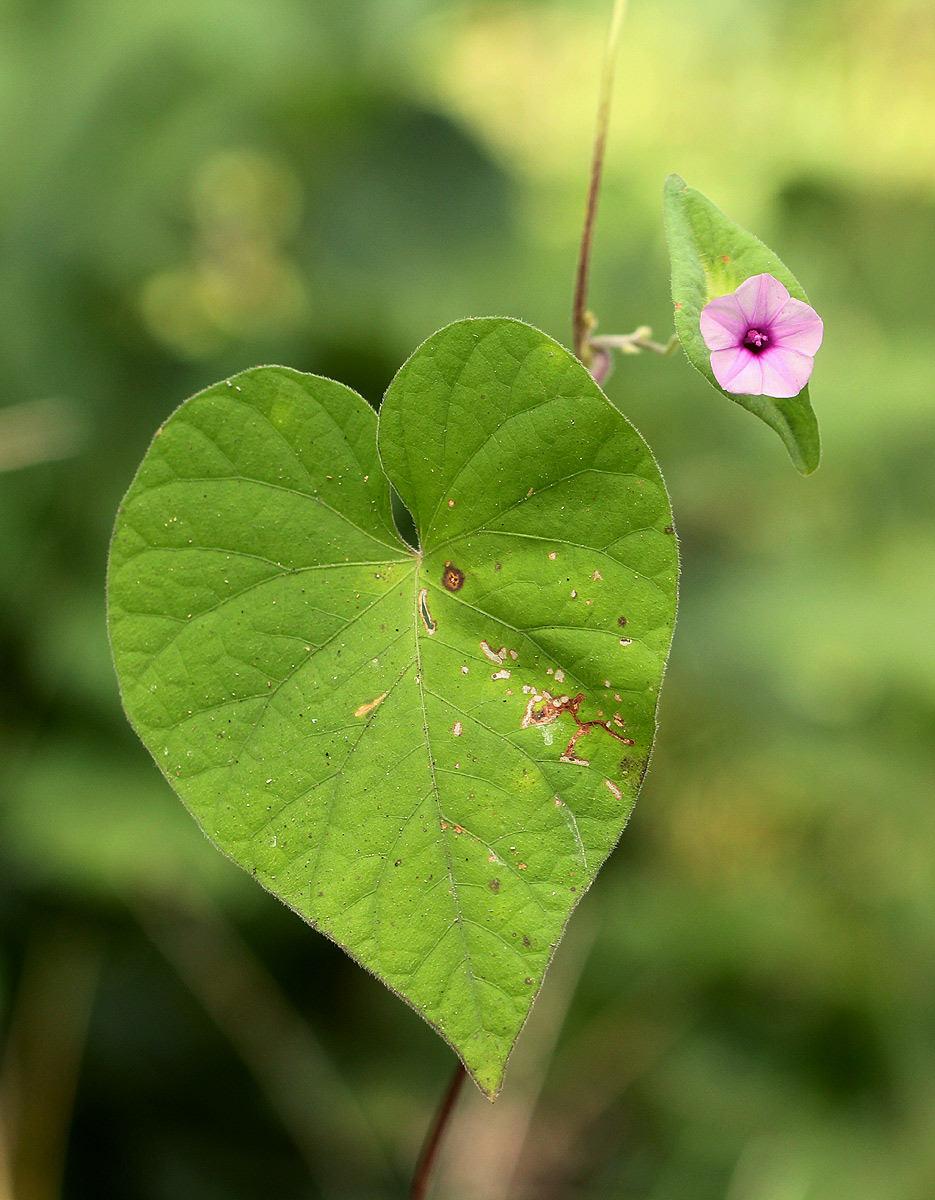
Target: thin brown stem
<point>435,1136</point>
<point>582,322</point>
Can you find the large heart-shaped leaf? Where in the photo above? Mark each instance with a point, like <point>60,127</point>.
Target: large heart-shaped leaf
<point>711,255</point>
<point>427,755</point>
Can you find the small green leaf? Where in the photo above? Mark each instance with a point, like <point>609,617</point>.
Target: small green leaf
<point>393,742</point>
<point>711,256</point>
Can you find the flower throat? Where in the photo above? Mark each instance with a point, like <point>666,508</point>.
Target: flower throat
<point>756,340</point>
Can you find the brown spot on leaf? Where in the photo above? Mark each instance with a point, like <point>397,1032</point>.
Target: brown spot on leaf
<point>453,578</point>
<point>668,529</point>
<point>494,885</point>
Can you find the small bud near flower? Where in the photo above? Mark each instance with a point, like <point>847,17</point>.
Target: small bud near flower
<point>762,341</point>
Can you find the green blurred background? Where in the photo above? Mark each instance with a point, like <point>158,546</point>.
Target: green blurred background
<point>744,1006</point>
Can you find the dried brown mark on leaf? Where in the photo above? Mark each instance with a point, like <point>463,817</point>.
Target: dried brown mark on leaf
<point>613,789</point>
<point>365,708</point>
<point>427,620</point>
<point>453,577</point>
<point>543,708</point>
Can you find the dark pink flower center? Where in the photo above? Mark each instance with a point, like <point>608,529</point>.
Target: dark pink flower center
<point>756,340</point>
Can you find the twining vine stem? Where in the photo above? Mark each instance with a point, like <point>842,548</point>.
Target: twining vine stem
<point>582,321</point>
<point>435,1136</point>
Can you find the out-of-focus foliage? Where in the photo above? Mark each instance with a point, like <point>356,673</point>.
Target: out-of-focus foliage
<point>745,998</point>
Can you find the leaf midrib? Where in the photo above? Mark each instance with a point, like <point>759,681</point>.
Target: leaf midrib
<point>459,916</point>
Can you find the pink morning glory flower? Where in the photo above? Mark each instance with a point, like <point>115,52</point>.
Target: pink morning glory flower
<point>762,341</point>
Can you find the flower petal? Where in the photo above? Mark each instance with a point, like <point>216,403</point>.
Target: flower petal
<point>785,372</point>
<point>761,298</point>
<point>738,371</point>
<point>722,323</point>
<point>797,327</point>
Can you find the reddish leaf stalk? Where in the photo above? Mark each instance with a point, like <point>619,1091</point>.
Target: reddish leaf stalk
<point>582,321</point>
<point>428,1156</point>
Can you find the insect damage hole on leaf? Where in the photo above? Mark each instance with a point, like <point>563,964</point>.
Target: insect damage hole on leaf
<point>427,621</point>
